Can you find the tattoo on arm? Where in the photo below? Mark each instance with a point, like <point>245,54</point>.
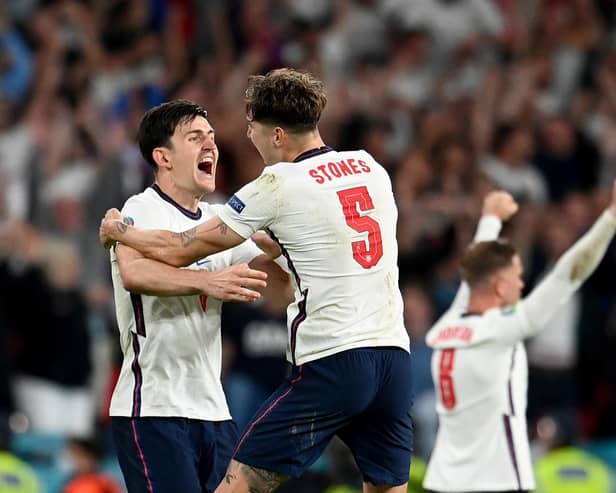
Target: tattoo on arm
<point>262,481</point>
<point>187,237</point>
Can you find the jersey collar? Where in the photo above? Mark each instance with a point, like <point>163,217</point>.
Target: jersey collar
<point>312,153</point>
<point>189,214</point>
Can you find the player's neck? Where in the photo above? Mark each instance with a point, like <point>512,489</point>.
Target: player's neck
<point>300,145</point>
<point>187,199</point>
<point>482,302</point>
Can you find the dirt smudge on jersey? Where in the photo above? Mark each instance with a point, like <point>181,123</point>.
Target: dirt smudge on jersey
<point>269,183</point>
<point>586,260</point>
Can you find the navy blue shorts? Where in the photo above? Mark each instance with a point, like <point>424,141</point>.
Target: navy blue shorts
<point>168,455</point>
<point>361,395</point>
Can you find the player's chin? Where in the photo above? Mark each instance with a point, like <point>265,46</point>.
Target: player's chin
<point>206,184</point>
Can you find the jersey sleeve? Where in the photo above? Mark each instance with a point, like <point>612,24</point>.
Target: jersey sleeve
<point>245,252</point>
<point>505,326</point>
<point>254,206</point>
<point>571,270</point>
<point>143,214</point>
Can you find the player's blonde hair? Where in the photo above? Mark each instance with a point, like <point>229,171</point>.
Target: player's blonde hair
<point>485,258</point>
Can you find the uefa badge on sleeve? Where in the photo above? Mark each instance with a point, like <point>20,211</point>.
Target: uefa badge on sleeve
<point>236,204</point>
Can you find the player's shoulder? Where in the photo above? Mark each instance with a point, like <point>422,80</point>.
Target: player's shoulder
<point>273,177</point>
<point>454,329</point>
<point>143,199</point>
<point>147,210</point>
<point>211,210</point>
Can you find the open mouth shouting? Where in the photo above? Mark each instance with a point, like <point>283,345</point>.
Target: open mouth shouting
<point>206,165</point>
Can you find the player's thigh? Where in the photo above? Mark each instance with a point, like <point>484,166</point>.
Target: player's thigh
<point>294,425</point>
<point>381,437</point>
<point>156,454</point>
<point>218,441</point>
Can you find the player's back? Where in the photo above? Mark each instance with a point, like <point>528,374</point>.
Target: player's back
<point>334,215</point>
<point>480,381</point>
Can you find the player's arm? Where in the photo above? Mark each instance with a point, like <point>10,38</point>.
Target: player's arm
<point>498,207</point>
<point>279,289</point>
<point>177,249</point>
<point>571,270</point>
<point>146,276</point>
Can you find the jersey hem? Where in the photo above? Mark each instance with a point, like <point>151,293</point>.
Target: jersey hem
<point>170,415</point>
<point>151,413</point>
<point>361,344</point>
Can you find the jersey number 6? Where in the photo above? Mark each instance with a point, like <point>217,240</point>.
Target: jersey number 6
<point>445,378</point>
<point>354,200</point>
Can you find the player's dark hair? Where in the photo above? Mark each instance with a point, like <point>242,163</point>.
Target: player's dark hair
<point>287,98</point>
<point>159,123</point>
<point>503,134</point>
<point>485,258</point>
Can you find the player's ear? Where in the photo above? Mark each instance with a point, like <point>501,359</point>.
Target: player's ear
<point>279,136</point>
<point>498,286</point>
<point>161,157</point>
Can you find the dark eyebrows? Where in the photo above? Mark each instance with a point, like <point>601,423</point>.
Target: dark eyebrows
<point>199,131</point>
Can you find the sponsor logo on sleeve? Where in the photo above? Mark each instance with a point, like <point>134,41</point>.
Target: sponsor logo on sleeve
<point>236,204</point>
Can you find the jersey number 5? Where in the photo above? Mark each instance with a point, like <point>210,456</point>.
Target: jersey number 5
<point>445,378</point>
<point>354,200</point>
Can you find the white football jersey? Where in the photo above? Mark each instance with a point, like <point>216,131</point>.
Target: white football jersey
<point>172,344</point>
<point>334,215</point>
<point>480,374</point>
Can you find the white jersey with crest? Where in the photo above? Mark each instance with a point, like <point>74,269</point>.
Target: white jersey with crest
<point>171,344</point>
<point>480,374</point>
<point>334,215</point>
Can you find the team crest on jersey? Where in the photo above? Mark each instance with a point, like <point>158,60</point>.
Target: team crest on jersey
<point>236,204</point>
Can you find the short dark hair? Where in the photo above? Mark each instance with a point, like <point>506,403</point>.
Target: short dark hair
<point>503,133</point>
<point>159,123</point>
<point>287,98</point>
<point>484,259</point>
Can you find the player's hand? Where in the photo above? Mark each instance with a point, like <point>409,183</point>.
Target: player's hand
<point>613,204</point>
<point>235,283</point>
<point>500,204</point>
<point>265,243</point>
<point>112,224</point>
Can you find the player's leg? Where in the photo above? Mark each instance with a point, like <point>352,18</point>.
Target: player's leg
<point>292,428</point>
<point>218,439</point>
<point>156,455</point>
<point>381,437</point>
<point>241,478</point>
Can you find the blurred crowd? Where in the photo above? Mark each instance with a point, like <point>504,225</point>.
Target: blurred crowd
<point>453,97</point>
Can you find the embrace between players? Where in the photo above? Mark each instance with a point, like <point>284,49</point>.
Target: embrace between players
<point>330,254</point>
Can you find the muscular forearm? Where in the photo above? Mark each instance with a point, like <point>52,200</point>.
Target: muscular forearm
<point>150,277</point>
<point>573,268</point>
<point>179,249</point>
<point>279,290</point>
